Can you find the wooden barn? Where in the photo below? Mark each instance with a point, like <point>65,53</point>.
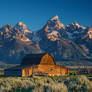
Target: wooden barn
<point>37,64</point>
<point>42,64</point>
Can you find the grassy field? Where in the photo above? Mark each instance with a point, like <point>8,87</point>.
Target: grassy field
<point>77,83</point>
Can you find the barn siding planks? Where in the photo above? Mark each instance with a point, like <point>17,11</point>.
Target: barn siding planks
<point>50,70</point>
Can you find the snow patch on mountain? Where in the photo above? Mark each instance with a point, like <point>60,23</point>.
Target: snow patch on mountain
<point>74,31</point>
<point>25,39</point>
<point>54,35</point>
<point>22,27</point>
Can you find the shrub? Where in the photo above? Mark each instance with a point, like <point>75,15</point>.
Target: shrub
<point>78,83</point>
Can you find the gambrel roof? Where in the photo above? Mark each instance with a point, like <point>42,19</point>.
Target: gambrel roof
<point>35,59</point>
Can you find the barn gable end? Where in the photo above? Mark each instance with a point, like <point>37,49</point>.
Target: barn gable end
<point>47,59</point>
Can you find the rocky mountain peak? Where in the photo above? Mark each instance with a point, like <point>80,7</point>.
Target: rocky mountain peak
<point>53,24</point>
<point>76,25</point>
<point>21,25</point>
<point>54,18</point>
<point>22,28</point>
<point>51,30</point>
<point>7,26</point>
<point>6,29</point>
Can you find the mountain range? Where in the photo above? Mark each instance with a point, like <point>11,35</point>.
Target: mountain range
<point>63,42</point>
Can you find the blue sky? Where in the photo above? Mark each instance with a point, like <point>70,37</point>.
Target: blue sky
<point>35,13</point>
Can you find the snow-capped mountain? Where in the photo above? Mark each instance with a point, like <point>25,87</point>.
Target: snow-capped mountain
<point>54,23</point>
<point>22,28</point>
<point>5,31</point>
<point>61,40</point>
<point>51,29</point>
<point>14,44</point>
<point>54,30</point>
<point>71,42</point>
<point>74,31</point>
<point>20,31</point>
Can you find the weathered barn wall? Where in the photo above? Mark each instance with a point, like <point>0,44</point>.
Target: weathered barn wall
<point>27,71</point>
<point>50,70</point>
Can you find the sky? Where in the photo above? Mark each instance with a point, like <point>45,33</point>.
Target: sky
<point>35,13</point>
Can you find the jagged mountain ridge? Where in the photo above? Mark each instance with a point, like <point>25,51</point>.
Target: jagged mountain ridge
<point>14,44</point>
<point>60,40</point>
<point>69,42</point>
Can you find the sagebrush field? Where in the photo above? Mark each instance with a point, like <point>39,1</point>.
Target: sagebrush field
<point>77,83</point>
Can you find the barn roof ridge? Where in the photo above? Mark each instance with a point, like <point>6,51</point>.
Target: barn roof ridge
<point>34,59</point>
